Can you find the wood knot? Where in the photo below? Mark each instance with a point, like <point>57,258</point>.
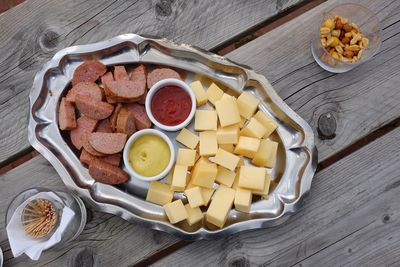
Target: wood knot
<point>163,8</point>
<point>49,39</point>
<point>84,258</point>
<point>240,262</point>
<point>386,218</point>
<point>327,126</point>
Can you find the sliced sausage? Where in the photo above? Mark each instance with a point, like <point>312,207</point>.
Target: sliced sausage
<point>87,158</point>
<point>160,74</point>
<point>125,122</point>
<point>88,147</point>
<point>97,110</point>
<point>106,173</point>
<point>142,121</point>
<point>107,143</point>
<point>120,73</point>
<point>139,74</point>
<point>84,126</point>
<point>125,90</point>
<point>89,71</point>
<point>66,115</point>
<point>114,116</point>
<point>107,77</point>
<point>104,126</point>
<point>85,88</point>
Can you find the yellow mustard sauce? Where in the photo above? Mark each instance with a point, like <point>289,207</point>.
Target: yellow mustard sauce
<point>149,155</point>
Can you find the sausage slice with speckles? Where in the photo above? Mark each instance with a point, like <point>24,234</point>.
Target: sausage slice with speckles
<point>125,122</point>
<point>125,91</point>
<point>89,71</point>
<point>106,173</point>
<point>160,74</point>
<point>120,73</point>
<point>84,127</point>
<point>142,121</point>
<point>87,158</point>
<point>89,89</point>
<point>66,115</point>
<point>104,126</point>
<point>107,143</point>
<point>97,110</point>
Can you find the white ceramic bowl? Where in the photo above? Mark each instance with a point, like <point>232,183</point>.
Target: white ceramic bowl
<point>128,145</point>
<point>158,86</point>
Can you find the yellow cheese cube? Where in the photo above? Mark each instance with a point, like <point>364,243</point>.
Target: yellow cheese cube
<point>265,191</point>
<point>225,176</point>
<point>247,104</point>
<point>187,138</point>
<point>242,122</point>
<point>226,96</point>
<point>194,196</point>
<point>204,174</point>
<point>205,120</point>
<point>247,146</point>
<point>228,135</point>
<point>194,214</point>
<point>228,112</point>
<point>235,184</point>
<point>214,93</point>
<point>179,178</point>
<point>203,160</point>
<point>252,177</point>
<point>205,192</point>
<point>226,147</point>
<point>186,157</point>
<point>254,129</point>
<point>208,143</point>
<point>159,193</point>
<point>243,200</point>
<point>241,162</point>
<point>226,159</point>
<point>267,122</point>
<point>266,154</point>
<point>200,93</point>
<point>175,211</point>
<point>220,206</point>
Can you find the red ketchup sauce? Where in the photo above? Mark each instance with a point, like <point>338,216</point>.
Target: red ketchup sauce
<point>171,105</point>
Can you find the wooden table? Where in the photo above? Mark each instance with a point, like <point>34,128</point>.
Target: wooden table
<point>352,216</point>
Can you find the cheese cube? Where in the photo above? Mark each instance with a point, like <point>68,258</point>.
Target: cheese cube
<point>159,193</point>
<point>247,146</point>
<point>208,143</point>
<point>187,138</point>
<point>186,157</point>
<point>205,120</point>
<point>206,193</point>
<point>194,214</point>
<point>214,93</point>
<point>228,112</point>
<point>203,160</point>
<point>235,184</point>
<point>241,162</point>
<point>252,177</point>
<point>204,174</point>
<point>175,211</point>
<point>254,129</point>
<point>267,122</point>
<point>267,184</point>
<point>225,176</point>
<point>266,154</point>
<point>226,147</point>
<point>226,159</point>
<point>242,122</point>
<point>226,96</point>
<point>200,93</point>
<point>247,104</point>
<point>179,178</point>
<point>243,200</point>
<point>228,135</point>
<point>220,206</point>
<point>194,196</point>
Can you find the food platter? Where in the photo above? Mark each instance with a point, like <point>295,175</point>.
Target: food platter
<point>296,156</point>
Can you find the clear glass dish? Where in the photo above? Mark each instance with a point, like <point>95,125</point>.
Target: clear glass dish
<point>368,23</point>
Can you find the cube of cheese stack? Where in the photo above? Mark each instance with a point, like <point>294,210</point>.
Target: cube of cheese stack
<point>205,120</point>
<point>226,147</point>
<point>159,193</point>
<point>220,206</point>
<point>225,176</point>
<point>247,146</point>
<point>204,174</point>
<point>228,135</point>
<point>268,123</point>
<point>194,214</point>
<point>235,184</point>
<point>267,184</point>
<point>227,110</point>
<point>241,162</point>
<point>194,196</point>
<point>266,154</point>
<point>208,143</point>
<point>205,192</point>
<point>179,178</point>
<point>214,93</point>
<point>186,157</point>
<point>243,200</point>
<point>254,129</point>
<point>247,104</point>
<point>226,159</point>
<point>176,211</point>
<point>200,93</point>
<point>252,177</point>
<point>187,138</point>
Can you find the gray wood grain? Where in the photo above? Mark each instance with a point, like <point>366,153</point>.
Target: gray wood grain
<point>32,32</point>
<point>351,218</point>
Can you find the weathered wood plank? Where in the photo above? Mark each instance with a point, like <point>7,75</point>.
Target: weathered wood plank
<point>351,218</point>
<point>105,241</point>
<point>31,33</point>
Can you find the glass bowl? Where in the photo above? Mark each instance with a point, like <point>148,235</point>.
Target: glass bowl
<point>368,24</point>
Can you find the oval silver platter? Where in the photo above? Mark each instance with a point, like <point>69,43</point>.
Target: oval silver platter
<point>292,174</point>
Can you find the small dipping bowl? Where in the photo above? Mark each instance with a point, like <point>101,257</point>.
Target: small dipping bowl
<point>145,153</point>
<point>170,104</point>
